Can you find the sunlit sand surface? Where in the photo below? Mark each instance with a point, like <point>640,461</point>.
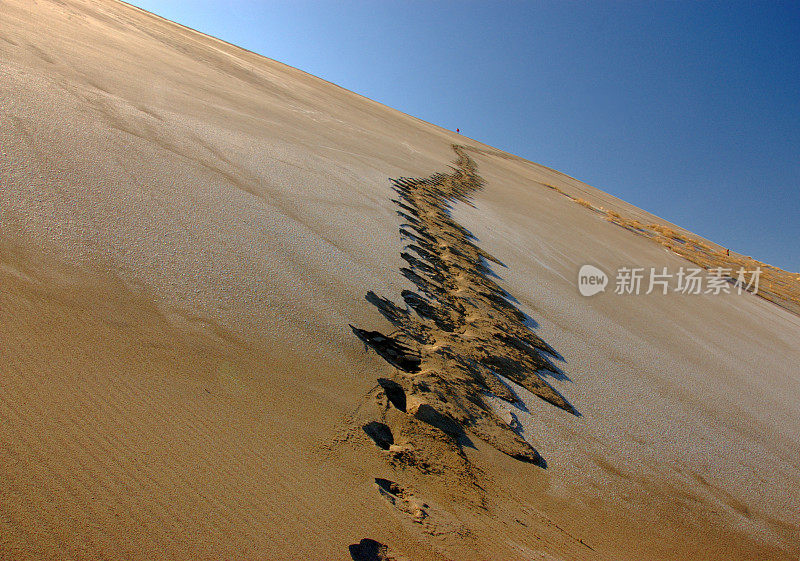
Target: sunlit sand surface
<point>188,231</point>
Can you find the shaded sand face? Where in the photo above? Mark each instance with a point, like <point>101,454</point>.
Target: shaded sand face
<point>187,232</point>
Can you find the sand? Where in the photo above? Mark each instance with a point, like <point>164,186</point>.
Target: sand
<point>187,232</point>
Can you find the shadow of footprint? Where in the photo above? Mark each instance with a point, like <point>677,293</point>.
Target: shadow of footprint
<point>394,393</point>
<point>371,550</point>
<point>393,351</point>
<point>380,434</point>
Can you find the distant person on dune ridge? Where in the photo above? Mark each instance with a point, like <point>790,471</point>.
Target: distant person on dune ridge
<point>458,131</point>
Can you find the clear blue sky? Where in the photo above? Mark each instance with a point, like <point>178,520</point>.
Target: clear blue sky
<point>689,110</point>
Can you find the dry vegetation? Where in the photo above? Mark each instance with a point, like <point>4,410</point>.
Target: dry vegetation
<point>776,285</point>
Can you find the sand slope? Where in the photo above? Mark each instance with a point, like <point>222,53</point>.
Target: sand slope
<point>187,231</point>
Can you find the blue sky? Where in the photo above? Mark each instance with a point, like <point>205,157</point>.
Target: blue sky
<point>689,110</point>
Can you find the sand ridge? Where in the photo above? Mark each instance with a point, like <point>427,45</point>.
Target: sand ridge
<point>465,329</point>
<point>187,230</point>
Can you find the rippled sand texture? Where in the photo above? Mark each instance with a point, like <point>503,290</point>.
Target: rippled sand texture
<point>188,232</point>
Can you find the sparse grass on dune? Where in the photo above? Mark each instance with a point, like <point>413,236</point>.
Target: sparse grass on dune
<point>776,285</point>
<point>585,203</point>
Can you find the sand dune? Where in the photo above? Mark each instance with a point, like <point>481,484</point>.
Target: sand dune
<point>188,232</point>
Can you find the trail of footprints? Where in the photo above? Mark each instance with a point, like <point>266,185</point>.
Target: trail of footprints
<point>452,339</point>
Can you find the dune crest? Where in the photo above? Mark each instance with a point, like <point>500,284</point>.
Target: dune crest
<point>186,231</point>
